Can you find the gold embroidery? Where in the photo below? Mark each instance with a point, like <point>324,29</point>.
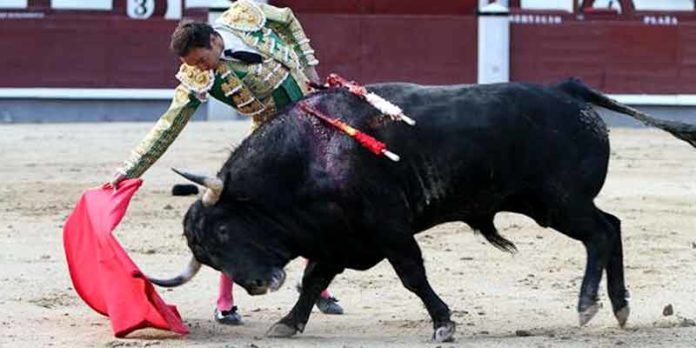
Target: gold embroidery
<point>181,95</point>
<point>252,108</point>
<point>242,98</point>
<point>265,115</point>
<point>230,87</point>
<point>263,83</point>
<point>244,15</point>
<point>196,80</point>
<point>222,70</point>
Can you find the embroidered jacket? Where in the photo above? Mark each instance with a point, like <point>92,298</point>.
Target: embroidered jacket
<point>254,90</point>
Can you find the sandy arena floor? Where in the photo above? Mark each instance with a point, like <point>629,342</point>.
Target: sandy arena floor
<point>522,300</point>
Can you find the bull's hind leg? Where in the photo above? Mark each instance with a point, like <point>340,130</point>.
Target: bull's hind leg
<point>615,274</point>
<point>407,261</point>
<point>316,278</point>
<point>587,224</point>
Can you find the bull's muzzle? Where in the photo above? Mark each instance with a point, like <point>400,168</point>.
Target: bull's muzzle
<point>260,286</point>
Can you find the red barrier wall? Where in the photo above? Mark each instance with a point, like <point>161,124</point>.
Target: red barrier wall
<point>439,7</point>
<point>365,40</point>
<point>373,48</point>
<point>87,49</point>
<point>392,40</point>
<point>635,52</point>
<point>91,49</point>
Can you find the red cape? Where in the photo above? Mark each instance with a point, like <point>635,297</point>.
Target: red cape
<point>101,271</point>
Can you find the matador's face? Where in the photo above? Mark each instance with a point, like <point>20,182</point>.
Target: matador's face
<point>205,58</point>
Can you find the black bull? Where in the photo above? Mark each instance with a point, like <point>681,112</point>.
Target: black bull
<point>297,187</point>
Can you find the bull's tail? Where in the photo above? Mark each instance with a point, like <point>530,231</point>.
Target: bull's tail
<point>579,89</point>
<point>189,272</point>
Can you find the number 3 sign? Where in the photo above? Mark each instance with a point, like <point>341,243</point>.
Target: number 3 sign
<point>140,9</point>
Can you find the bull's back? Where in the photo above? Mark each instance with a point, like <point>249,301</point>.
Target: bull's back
<point>473,146</point>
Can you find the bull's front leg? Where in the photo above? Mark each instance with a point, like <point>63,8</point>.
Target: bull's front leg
<point>407,261</point>
<point>316,278</point>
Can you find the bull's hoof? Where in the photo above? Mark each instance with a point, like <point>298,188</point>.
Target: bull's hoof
<point>586,315</point>
<point>281,330</point>
<point>622,315</point>
<point>444,333</point>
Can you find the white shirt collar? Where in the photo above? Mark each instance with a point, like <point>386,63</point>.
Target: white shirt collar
<point>234,43</point>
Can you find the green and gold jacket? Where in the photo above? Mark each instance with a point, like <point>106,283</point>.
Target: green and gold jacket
<point>254,90</point>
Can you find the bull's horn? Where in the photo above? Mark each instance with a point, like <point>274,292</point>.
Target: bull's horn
<point>214,185</point>
<point>191,269</point>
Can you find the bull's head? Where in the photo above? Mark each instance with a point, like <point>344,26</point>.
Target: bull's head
<point>225,234</point>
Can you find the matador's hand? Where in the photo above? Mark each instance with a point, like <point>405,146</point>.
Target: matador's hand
<point>118,177</point>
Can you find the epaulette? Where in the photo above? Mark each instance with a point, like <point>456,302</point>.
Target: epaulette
<point>196,80</point>
<point>243,15</point>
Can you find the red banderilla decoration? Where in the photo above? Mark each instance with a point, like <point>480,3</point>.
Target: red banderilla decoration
<point>372,144</point>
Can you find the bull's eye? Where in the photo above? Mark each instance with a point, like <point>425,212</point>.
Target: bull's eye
<point>223,234</point>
